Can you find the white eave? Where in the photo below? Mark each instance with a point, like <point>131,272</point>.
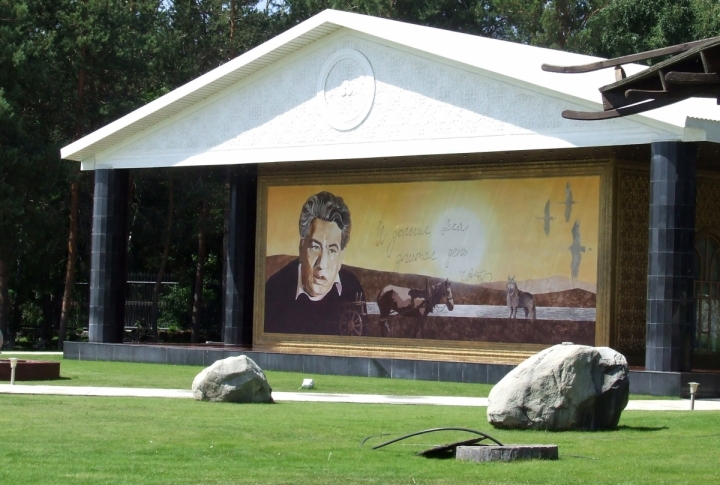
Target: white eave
<point>518,64</point>
<point>200,88</point>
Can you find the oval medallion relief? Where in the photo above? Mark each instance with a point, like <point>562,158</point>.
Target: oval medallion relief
<point>346,89</point>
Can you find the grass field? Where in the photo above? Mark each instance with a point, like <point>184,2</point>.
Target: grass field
<point>125,374</point>
<point>85,440</point>
<point>82,440</point>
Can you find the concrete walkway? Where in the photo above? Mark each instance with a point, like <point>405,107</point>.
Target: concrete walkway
<point>674,405</point>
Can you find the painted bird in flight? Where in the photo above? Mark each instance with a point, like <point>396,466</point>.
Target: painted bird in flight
<point>546,218</point>
<point>568,202</point>
<point>576,248</point>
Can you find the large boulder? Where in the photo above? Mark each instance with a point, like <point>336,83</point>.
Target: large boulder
<point>235,379</point>
<point>565,387</point>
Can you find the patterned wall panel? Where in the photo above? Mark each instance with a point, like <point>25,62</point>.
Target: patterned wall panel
<point>633,227</point>
<point>633,223</point>
<point>707,212</point>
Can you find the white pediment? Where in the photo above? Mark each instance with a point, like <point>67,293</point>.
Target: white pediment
<point>350,95</point>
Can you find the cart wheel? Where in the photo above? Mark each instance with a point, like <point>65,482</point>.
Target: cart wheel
<point>351,324</point>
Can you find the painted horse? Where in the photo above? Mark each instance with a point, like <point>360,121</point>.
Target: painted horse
<point>414,302</point>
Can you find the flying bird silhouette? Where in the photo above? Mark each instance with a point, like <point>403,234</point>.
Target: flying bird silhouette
<point>546,218</point>
<point>568,202</point>
<point>576,248</point>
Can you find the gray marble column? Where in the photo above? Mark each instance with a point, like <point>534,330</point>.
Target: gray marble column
<point>240,256</point>
<point>670,313</point>
<point>108,273</point>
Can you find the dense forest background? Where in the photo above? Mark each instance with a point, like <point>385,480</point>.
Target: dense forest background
<point>69,67</point>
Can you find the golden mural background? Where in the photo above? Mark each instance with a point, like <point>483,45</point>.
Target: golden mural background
<point>456,229</point>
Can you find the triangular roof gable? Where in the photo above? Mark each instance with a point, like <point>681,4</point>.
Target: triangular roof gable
<point>493,64</point>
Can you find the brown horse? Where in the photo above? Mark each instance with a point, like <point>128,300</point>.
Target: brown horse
<point>414,302</point>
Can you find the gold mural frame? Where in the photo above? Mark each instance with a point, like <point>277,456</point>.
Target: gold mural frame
<point>417,171</point>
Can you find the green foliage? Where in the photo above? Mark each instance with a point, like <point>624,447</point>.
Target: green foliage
<point>558,24</point>
<point>607,28</point>
<point>706,18</point>
<point>628,26</point>
<point>469,16</point>
<point>69,67</point>
<point>176,307</point>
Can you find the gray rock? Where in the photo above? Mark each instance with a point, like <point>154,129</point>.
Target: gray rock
<point>565,387</point>
<point>235,379</point>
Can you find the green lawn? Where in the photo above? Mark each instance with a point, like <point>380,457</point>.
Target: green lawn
<point>125,374</point>
<point>84,440</point>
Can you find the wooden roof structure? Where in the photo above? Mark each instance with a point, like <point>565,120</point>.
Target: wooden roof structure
<point>693,72</point>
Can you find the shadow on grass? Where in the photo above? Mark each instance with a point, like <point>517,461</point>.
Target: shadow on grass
<point>643,429</point>
<point>61,378</point>
<point>41,382</point>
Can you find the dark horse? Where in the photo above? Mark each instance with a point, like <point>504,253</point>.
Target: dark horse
<point>413,302</point>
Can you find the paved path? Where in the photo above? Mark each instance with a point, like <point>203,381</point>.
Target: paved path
<point>655,405</point>
<point>93,391</point>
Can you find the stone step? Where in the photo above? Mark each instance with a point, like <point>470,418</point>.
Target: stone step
<point>507,453</point>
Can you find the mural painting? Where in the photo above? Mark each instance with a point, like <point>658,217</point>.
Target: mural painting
<point>509,260</point>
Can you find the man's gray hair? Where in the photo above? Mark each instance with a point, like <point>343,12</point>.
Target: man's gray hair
<point>326,207</point>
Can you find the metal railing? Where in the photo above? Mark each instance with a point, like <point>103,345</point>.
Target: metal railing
<point>138,300</point>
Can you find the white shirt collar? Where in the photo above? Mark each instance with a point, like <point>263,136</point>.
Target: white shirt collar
<point>300,289</point>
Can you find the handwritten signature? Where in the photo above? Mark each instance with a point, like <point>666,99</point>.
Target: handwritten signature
<point>480,276</point>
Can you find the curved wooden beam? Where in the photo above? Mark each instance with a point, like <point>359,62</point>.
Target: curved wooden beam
<point>642,56</point>
<point>619,112</point>
<point>692,78</point>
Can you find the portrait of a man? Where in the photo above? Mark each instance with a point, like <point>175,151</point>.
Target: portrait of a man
<point>309,294</point>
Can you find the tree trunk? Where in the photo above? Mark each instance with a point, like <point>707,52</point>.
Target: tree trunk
<point>199,275</point>
<point>163,262</point>
<point>4,301</point>
<point>232,28</point>
<point>72,257</point>
<point>81,94</point>
<point>74,196</point>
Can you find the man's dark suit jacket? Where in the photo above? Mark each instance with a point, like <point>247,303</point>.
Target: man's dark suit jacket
<point>285,314</point>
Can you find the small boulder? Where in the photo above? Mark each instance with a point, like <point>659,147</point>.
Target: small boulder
<point>235,379</point>
<point>565,387</point>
